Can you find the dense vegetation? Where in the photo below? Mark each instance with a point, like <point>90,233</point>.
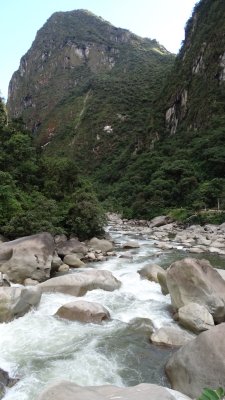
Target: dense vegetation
<point>137,165</point>
<point>42,193</point>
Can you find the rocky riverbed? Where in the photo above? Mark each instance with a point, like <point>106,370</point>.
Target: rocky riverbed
<point>100,317</point>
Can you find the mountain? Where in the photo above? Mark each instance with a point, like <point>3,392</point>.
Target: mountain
<point>147,128</point>
<point>87,87</point>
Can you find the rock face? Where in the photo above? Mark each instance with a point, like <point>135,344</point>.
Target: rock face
<point>65,390</point>
<point>27,257</point>
<point>83,311</point>
<point>200,363</point>
<point>195,317</point>
<point>195,281</point>
<point>16,301</point>
<point>171,336</point>
<point>79,283</point>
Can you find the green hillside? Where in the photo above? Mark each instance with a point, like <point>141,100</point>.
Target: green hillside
<point>147,129</point>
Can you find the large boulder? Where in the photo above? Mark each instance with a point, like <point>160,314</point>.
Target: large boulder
<point>195,281</point>
<point>27,257</point>
<point>200,363</point>
<point>66,390</point>
<point>150,272</point>
<point>83,311</point>
<point>131,245</point>
<point>79,283</point>
<point>101,244</point>
<point>160,221</point>
<point>171,336</point>
<point>71,246</point>
<point>195,317</point>
<point>16,301</point>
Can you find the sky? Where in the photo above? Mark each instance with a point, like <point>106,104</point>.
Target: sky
<point>163,20</point>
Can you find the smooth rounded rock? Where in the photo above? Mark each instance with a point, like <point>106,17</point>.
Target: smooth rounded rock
<point>199,363</point>
<point>150,272</point>
<point>27,257</point>
<point>16,301</point>
<point>101,244</point>
<point>83,311</point>
<point>195,281</point>
<point>195,317</point>
<point>66,390</point>
<point>171,336</point>
<point>73,261</point>
<point>80,282</point>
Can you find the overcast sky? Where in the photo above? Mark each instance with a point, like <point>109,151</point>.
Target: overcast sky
<point>163,20</point>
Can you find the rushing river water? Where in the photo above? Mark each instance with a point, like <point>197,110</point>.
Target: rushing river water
<point>39,348</point>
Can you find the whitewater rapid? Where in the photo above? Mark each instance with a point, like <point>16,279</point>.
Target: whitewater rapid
<point>39,348</point>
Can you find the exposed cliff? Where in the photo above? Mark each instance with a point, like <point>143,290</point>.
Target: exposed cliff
<point>196,88</point>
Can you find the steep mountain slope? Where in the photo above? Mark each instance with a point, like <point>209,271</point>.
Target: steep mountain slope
<point>149,132</point>
<point>87,87</point>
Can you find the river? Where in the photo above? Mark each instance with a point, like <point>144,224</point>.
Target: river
<point>39,348</point>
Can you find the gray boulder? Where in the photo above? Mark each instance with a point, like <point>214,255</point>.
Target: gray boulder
<point>159,221</point>
<point>150,272</point>
<point>143,325</point>
<point>101,244</point>
<point>171,336</point>
<point>195,317</point>
<point>27,257</point>
<point>73,261</point>
<point>195,281</point>
<point>83,311</point>
<point>161,276</point>
<point>79,283</point>
<point>71,246</point>
<point>131,245</point>
<point>200,363</point>
<point>65,390</point>
<point>16,301</point>
<point>4,280</point>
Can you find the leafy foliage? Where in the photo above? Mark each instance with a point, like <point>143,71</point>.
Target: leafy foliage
<point>42,193</point>
<point>210,394</point>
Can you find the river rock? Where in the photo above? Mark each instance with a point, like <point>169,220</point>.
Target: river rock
<point>16,301</point>
<point>56,262</point>
<point>195,317</point>
<point>83,311</point>
<point>150,272</point>
<point>159,221</point>
<point>71,246</point>
<point>80,282</point>
<point>5,381</point>
<point>143,325</point>
<point>27,257</point>
<point>64,268</point>
<point>101,244</point>
<point>195,281</point>
<point>4,280</point>
<point>171,336</point>
<point>161,276</point>
<point>200,363</point>
<point>30,282</point>
<point>131,245</point>
<point>73,261</point>
<point>66,390</point>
